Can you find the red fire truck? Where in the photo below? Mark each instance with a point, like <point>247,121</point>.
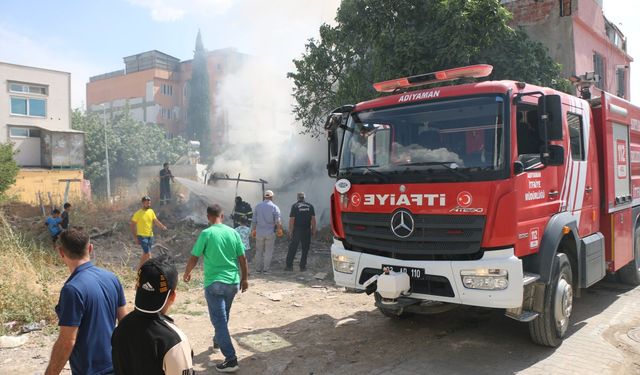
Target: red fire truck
<point>498,194</point>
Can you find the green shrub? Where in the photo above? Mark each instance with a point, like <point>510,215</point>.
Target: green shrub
<point>8,167</point>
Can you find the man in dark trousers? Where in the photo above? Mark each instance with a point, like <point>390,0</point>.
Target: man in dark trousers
<point>165,188</point>
<point>241,211</point>
<point>302,225</point>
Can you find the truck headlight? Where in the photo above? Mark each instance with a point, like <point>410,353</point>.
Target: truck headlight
<point>485,279</point>
<point>342,263</point>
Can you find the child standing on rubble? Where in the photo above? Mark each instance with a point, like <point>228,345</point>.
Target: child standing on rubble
<point>245,232</point>
<point>53,224</point>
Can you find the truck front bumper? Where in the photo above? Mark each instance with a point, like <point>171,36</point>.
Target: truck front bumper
<point>349,266</point>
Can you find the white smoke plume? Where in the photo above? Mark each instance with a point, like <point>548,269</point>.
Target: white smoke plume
<point>255,102</point>
<point>263,142</point>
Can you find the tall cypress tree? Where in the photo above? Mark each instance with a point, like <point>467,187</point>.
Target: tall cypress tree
<point>198,116</point>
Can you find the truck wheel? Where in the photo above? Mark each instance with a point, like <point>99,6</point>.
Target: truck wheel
<point>550,327</point>
<point>630,274</point>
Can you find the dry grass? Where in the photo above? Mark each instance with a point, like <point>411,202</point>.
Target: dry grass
<point>28,272</point>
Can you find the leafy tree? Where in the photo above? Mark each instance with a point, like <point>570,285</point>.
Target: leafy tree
<point>198,115</point>
<point>131,144</point>
<point>8,167</point>
<point>377,40</point>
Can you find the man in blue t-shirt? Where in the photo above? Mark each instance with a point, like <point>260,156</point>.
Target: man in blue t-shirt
<point>90,302</point>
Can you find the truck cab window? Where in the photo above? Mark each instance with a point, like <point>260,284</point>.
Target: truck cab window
<point>527,130</point>
<point>576,136</point>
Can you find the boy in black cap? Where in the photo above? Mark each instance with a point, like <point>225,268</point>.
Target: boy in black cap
<point>146,341</point>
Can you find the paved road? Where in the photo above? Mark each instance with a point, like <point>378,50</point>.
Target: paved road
<point>462,341</point>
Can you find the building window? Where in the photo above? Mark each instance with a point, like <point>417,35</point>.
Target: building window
<point>167,113</point>
<point>19,106</point>
<point>576,138</point>
<point>166,89</point>
<point>620,77</point>
<point>599,69</point>
<point>28,107</point>
<point>565,8</point>
<point>16,132</point>
<point>26,88</point>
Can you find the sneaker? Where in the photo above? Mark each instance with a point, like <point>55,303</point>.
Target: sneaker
<point>288,268</point>
<point>302,269</point>
<point>228,366</point>
<point>265,272</point>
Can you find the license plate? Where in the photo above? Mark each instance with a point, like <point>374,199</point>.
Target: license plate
<point>414,273</point>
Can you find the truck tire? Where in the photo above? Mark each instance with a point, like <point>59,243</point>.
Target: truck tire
<point>550,327</point>
<point>630,274</point>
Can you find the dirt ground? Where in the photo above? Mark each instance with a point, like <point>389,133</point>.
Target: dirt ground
<point>301,323</point>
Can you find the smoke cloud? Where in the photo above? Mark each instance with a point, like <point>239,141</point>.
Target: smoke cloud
<point>263,143</point>
<point>255,103</point>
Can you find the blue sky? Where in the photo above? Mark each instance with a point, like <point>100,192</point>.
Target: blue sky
<point>90,37</point>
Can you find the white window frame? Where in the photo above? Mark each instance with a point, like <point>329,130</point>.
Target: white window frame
<point>27,87</point>
<point>28,131</point>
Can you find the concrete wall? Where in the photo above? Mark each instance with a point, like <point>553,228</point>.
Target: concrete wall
<point>31,181</point>
<point>28,151</point>
<point>542,22</point>
<point>58,98</point>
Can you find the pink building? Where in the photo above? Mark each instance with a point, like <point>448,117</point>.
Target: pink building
<point>579,37</point>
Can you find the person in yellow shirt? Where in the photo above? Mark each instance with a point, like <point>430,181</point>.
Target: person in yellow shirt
<point>142,228</point>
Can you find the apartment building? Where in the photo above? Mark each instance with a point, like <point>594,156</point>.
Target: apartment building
<point>578,36</point>
<point>155,87</point>
<point>35,115</point>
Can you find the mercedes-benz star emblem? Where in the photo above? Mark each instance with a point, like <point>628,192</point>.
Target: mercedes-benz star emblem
<point>402,224</point>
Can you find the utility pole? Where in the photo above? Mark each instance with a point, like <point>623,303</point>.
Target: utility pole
<point>106,150</point>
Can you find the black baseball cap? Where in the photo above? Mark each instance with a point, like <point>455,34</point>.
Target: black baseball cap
<point>156,278</point>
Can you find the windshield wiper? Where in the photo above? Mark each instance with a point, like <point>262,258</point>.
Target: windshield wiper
<point>368,168</point>
<point>446,164</point>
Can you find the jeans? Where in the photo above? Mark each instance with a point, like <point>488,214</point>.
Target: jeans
<point>297,237</point>
<point>219,298</point>
<point>145,243</point>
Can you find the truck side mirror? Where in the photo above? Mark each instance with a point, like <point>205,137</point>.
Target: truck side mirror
<point>332,168</point>
<point>551,106</point>
<point>556,156</point>
<point>333,122</point>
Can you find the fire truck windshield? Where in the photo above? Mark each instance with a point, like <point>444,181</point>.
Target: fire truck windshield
<point>452,140</point>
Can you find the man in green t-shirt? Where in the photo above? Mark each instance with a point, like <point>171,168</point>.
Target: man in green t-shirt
<point>225,271</point>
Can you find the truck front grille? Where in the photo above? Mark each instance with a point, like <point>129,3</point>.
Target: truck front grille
<point>435,237</point>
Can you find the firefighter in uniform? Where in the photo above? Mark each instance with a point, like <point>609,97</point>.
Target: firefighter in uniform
<point>302,225</point>
<point>242,210</point>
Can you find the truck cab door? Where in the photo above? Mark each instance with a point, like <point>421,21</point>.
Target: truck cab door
<point>537,187</point>
<point>577,195</point>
